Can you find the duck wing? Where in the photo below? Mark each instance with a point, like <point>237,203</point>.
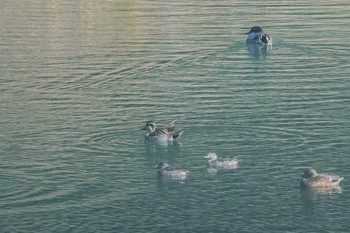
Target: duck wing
<point>171,168</point>
<point>171,126</point>
<point>157,133</point>
<point>323,180</point>
<point>265,38</point>
<point>228,160</point>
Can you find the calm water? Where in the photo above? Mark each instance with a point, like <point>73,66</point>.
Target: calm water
<point>80,78</point>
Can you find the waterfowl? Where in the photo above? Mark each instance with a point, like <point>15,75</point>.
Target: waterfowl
<point>311,178</point>
<point>216,162</point>
<point>171,171</point>
<point>257,36</point>
<point>164,134</point>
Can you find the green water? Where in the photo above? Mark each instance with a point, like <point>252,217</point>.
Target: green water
<point>80,78</point>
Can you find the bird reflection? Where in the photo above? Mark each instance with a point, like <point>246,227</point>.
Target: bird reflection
<point>258,51</point>
<point>310,194</point>
<point>152,147</point>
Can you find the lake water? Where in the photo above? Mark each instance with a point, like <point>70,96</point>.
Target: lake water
<point>79,79</point>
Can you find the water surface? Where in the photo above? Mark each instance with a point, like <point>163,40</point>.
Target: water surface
<point>80,78</point>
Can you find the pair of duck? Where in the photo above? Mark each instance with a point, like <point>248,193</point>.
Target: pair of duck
<point>161,135</point>
<point>310,178</point>
<point>173,171</point>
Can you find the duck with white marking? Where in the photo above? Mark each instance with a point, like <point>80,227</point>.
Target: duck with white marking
<point>215,162</point>
<point>161,134</point>
<point>257,36</point>
<point>172,171</point>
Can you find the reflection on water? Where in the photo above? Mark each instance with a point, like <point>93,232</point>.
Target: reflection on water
<point>310,194</point>
<point>164,178</point>
<point>171,147</point>
<point>212,170</point>
<point>169,182</point>
<point>259,51</point>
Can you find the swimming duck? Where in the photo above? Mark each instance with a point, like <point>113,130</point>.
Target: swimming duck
<point>164,134</point>
<point>312,179</point>
<point>257,36</point>
<point>171,171</point>
<point>216,162</point>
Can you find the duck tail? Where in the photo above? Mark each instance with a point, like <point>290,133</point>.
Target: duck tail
<point>340,179</point>
<point>178,134</point>
<point>336,180</point>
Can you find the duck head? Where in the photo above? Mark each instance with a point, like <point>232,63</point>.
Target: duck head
<point>255,29</point>
<point>162,165</point>
<point>309,173</point>
<point>150,126</point>
<point>211,156</point>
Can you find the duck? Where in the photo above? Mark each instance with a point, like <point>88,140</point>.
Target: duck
<point>311,178</point>
<point>167,133</point>
<point>172,171</point>
<point>257,36</point>
<point>215,162</point>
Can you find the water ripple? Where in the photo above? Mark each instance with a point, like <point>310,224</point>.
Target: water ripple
<point>80,78</point>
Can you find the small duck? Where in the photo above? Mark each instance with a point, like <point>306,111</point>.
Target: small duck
<point>164,134</point>
<point>311,178</point>
<point>172,171</point>
<point>257,36</point>
<point>216,162</point>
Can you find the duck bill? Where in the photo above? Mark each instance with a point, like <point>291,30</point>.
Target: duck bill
<point>205,157</point>
<point>247,33</point>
